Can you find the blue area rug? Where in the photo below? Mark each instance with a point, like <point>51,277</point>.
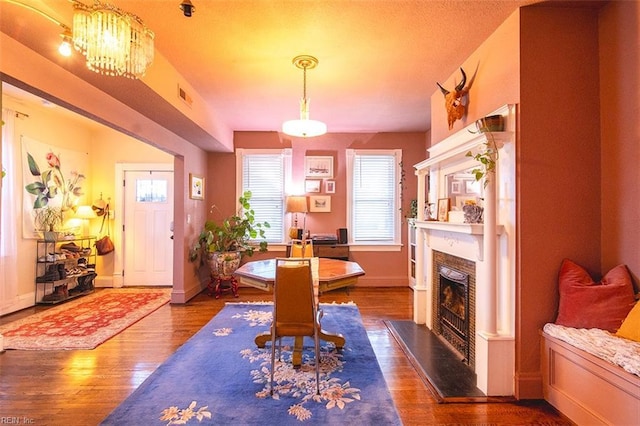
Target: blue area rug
<point>220,377</point>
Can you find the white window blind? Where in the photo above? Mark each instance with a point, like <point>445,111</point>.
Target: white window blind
<point>264,174</point>
<point>374,193</point>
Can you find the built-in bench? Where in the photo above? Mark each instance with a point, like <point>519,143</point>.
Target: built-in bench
<point>588,389</point>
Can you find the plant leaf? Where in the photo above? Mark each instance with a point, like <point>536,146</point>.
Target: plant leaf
<point>33,166</point>
<point>35,188</point>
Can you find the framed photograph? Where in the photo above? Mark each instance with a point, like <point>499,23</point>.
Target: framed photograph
<point>320,203</point>
<point>196,187</point>
<point>330,187</point>
<point>443,209</point>
<point>461,201</point>
<point>455,187</point>
<point>312,185</point>
<point>318,167</point>
<point>473,186</point>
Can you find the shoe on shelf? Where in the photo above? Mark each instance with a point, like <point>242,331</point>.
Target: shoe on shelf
<point>62,271</point>
<point>71,247</point>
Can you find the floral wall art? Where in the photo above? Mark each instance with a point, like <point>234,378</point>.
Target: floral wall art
<point>52,177</point>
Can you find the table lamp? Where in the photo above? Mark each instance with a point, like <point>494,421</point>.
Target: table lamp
<point>297,204</point>
<point>85,213</point>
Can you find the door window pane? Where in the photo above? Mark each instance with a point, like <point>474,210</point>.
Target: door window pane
<point>151,191</point>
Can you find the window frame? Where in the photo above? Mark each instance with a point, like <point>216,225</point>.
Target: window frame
<point>286,154</point>
<point>396,244</point>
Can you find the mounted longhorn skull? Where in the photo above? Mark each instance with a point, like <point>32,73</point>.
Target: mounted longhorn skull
<point>453,100</point>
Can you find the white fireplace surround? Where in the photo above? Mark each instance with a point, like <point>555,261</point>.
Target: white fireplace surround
<point>490,245</point>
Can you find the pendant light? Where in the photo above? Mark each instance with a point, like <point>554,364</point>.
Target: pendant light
<point>304,127</point>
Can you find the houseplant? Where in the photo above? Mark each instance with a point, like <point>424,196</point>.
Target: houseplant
<point>489,155</point>
<point>223,244</point>
<point>47,220</point>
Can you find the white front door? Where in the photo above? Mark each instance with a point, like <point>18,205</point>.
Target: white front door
<point>148,224</point>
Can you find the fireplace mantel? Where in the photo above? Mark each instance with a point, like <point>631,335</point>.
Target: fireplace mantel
<point>456,235</point>
<point>462,228</point>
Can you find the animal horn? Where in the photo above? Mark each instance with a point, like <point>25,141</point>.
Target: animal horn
<point>460,85</point>
<point>442,89</point>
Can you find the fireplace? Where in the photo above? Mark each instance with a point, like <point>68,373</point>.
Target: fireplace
<point>485,253</point>
<point>454,304</point>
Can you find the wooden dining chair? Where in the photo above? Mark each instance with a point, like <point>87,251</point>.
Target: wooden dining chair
<point>295,312</point>
<point>301,248</point>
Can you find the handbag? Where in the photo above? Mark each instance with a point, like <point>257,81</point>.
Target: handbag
<point>104,245</point>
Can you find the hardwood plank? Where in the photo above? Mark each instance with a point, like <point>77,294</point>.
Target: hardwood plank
<point>82,387</point>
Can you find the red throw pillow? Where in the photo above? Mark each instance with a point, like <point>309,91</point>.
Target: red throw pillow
<point>587,304</point>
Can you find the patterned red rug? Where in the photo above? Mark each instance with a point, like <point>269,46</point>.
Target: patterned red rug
<point>83,323</point>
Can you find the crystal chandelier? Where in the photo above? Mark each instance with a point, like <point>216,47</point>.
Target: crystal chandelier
<point>304,127</point>
<point>113,41</point>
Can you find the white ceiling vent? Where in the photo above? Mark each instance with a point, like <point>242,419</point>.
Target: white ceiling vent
<point>186,98</point>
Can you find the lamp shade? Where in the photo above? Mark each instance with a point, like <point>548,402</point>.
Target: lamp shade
<point>304,128</point>
<point>85,212</point>
<point>297,204</point>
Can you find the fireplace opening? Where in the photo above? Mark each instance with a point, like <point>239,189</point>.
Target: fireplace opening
<point>453,306</point>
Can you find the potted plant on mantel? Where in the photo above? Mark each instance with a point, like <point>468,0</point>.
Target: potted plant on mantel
<point>487,158</point>
<point>223,244</point>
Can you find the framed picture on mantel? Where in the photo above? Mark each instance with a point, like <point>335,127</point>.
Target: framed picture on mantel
<point>443,209</point>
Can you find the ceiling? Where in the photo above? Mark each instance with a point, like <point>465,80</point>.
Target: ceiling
<point>379,61</point>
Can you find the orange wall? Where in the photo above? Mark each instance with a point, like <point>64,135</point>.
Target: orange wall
<point>382,268</point>
<point>558,166</point>
<point>620,130</point>
<point>493,80</point>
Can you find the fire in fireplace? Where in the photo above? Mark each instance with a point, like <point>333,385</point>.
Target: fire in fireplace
<point>453,306</point>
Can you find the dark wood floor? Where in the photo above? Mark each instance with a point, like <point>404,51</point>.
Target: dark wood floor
<point>82,387</point>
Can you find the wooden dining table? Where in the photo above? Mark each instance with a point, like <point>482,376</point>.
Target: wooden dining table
<point>332,274</point>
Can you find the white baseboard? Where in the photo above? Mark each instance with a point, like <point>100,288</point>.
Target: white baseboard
<point>20,302</point>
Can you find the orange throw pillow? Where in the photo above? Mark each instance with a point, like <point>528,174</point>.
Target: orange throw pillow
<point>630,328</point>
<point>587,304</point>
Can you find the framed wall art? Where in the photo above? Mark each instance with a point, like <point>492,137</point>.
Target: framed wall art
<point>461,201</point>
<point>196,187</point>
<point>312,185</point>
<point>443,209</point>
<point>318,167</point>
<point>320,203</point>
<point>330,187</point>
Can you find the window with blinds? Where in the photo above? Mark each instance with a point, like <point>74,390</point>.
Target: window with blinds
<point>374,198</point>
<point>264,173</point>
